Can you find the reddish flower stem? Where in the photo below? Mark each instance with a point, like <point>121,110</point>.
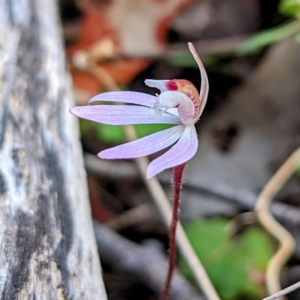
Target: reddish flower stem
<point>177,181</point>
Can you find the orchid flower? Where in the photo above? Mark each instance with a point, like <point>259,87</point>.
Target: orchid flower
<point>179,103</point>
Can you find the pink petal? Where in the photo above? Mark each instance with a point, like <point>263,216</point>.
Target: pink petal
<point>180,153</point>
<point>159,84</point>
<point>204,80</point>
<point>144,146</point>
<point>123,115</point>
<point>125,97</point>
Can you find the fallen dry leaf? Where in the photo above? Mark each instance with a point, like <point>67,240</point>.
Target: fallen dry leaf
<point>133,27</point>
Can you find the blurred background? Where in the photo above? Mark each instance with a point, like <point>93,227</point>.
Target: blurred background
<point>251,124</point>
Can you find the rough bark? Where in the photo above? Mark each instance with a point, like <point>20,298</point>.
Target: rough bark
<point>47,245</point>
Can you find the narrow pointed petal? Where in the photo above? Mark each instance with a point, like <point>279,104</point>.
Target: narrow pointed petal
<point>144,146</point>
<point>125,97</point>
<point>204,79</point>
<point>180,153</point>
<point>159,84</point>
<point>123,115</point>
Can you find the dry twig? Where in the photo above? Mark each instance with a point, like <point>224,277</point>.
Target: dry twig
<point>242,198</point>
<point>286,241</point>
<point>131,217</point>
<point>285,291</point>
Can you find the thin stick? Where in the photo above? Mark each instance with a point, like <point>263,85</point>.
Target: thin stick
<point>285,291</point>
<point>202,183</point>
<point>177,180</point>
<point>159,195</point>
<point>132,217</point>
<point>286,241</point>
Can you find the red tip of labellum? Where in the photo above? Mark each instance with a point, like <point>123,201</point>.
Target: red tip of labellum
<point>171,85</point>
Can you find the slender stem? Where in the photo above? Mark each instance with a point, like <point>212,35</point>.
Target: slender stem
<point>184,245</point>
<point>177,180</point>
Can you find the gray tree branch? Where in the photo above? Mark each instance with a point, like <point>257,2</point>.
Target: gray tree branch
<point>47,245</point>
